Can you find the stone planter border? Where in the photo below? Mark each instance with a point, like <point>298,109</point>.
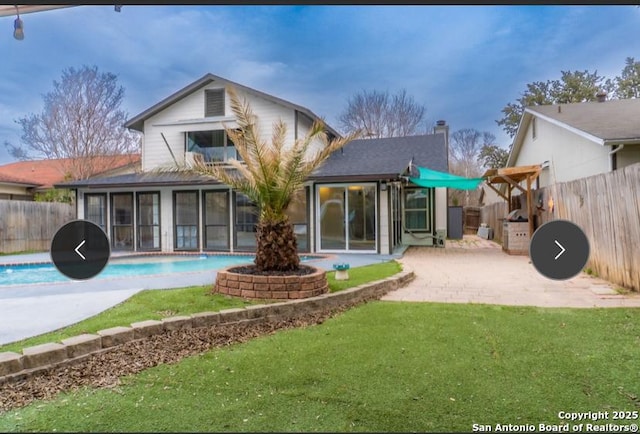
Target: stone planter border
<point>39,358</point>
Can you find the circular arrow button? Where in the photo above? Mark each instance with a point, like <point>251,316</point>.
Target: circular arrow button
<point>80,249</point>
<point>559,249</point>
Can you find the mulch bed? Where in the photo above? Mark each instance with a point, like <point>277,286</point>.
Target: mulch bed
<point>303,270</point>
<point>105,369</point>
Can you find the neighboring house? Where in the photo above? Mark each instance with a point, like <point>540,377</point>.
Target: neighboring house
<point>356,202</point>
<point>577,140</point>
<point>14,188</point>
<point>22,179</point>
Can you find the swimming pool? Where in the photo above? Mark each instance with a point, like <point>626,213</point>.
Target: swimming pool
<point>125,266</point>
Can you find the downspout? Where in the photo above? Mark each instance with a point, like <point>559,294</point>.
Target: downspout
<point>618,148</point>
<point>613,161</point>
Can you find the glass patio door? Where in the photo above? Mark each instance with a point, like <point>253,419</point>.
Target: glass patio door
<point>122,221</point>
<point>148,221</point>
<point>347,217</point>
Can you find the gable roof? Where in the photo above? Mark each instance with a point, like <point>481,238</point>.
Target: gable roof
<point>385,158</point>
<point>45,173</point>
<point>137,122</point>
<point>606,123</point>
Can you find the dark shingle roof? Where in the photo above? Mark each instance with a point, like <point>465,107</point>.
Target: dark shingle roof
<point>385,158</point>
<point>365,159</point>
<point>142,180</point>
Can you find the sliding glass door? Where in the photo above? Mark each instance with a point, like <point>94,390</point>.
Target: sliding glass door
<point>148,221</point>
<point>216,219</point>
<point>122,221</point>
<point>185,217</point>
<point>347,216</point>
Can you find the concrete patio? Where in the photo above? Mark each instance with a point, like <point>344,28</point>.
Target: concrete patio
<point>474,270</point>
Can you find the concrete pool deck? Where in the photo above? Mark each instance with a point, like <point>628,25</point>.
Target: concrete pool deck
<point>30,310</point>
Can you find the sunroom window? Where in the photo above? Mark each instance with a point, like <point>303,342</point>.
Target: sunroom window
<point>214,145</point>
<point>417,209</point>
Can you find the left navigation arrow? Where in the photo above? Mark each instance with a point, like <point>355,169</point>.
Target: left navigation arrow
<point>80,249</point>
<point>77,249</point>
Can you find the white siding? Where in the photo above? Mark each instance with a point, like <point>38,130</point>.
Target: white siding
<point>441,209</point>
<point>14,189</point>
<point>304,126</point>
<point>191,108</point>
<point>570,156</point>
<point>630,154</point>
<point>384,222</point>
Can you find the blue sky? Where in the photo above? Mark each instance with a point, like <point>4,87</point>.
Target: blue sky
<point>464,63</point>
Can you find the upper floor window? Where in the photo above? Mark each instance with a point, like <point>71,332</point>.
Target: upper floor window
<point>213,102</point>
<point>214,145</point>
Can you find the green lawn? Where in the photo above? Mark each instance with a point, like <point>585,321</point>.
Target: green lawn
<point>162,303</point>
<point>149,304</point>
<point>360,275</point>
<point>382,366</point>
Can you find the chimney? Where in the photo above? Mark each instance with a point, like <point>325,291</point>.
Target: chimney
<point>441,127</point>
<point>601,96</point>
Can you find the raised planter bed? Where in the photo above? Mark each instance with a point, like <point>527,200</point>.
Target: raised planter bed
<point>271,287</point>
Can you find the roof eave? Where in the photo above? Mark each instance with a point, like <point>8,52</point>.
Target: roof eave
<point>137,122</point>
<point>629,141</point>
<point>75,185</point>
<point>351,178</point>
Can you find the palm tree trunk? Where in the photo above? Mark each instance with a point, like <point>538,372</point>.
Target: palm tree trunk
<point>277,247</point>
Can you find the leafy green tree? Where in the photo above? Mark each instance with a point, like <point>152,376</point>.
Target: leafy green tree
<point>270,174</point>
<point>628,83</point>
<point>576,86</point>
<point>493,156</point>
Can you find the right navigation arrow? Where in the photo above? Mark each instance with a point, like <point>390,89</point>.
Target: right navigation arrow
<point>561,251</point>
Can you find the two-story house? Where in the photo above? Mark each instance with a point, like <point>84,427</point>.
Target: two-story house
<point>356,202</point>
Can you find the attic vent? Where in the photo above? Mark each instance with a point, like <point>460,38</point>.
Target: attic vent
<point>214,102</point>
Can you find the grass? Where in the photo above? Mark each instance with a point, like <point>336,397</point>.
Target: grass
<point>162,303</point>
<point>360,275</point>
<point>383,366</point>
<point>148,304</point>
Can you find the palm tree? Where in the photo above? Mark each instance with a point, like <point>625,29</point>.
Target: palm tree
<point>270,174</point>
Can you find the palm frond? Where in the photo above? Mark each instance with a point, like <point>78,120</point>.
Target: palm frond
<point>270,173</point>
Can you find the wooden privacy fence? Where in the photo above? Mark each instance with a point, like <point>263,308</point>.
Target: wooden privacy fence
<point>607,208</point>
<point>471,215</point>
<point>493,216</point>
<point>30,226</point>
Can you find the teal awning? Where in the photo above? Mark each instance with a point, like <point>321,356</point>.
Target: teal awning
<point>432,178</point>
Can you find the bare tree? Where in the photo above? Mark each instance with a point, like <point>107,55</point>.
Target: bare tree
<point>464,149</point>
<point>378,114</point>
<point>81,121</point>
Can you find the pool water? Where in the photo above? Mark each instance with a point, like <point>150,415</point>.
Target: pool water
<point>25,274</point>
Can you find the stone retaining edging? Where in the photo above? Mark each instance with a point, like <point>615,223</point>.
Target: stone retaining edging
<point>39,358</point>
